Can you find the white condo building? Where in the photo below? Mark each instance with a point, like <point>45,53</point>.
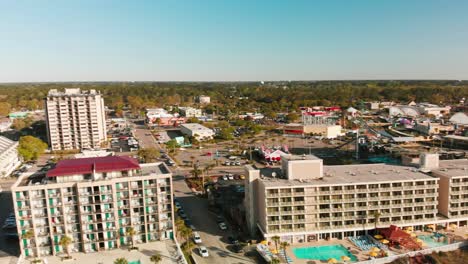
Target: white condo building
<point>93,201</point>
<point>9,158</point>
<point>75,119</point>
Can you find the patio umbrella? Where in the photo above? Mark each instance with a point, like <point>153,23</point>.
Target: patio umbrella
<point>409,228</point>
<point>413,235</point>
<point>332,260</point>
<point>378,236</point>
<point>453,226</point>
<point>431,226</point>
<point>264,242</point>
<point>419,240</point>
<point>384,241</point>
<point>373,249</point>
<point>345,258</point>
<point>407,231</point>
<point>373,254</point>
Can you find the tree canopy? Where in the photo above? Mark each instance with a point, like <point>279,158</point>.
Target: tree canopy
<point>30,148</point>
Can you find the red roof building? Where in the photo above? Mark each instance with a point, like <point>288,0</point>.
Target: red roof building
<point>95,164</point>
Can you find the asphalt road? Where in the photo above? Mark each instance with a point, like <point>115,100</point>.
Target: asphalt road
<point>205,223</point>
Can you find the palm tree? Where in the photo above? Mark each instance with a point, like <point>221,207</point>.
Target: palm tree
<point>179,223</point>
<point>187,246</point>
<point>131,232</point>
<point>121,261</point>
<point>65,242</point>
<point>276,239</point>
<point>377,215</point>
<point>156,258</point>
<point>275,261</point>
<point>207,170</point>
<point>284,246</point>
<point>186,233</point>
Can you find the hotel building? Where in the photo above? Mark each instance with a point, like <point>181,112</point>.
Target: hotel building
<point>75,119</point>
<point>306,201</point>
<point>453,191</point>
<point>93,201</point>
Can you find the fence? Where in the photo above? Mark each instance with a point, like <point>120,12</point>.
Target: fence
<point>445,248</point>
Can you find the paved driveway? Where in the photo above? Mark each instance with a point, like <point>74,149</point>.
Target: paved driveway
<point>205,223</point>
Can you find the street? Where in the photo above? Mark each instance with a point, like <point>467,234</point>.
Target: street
<point>197,209</point>
<point>205,223</point>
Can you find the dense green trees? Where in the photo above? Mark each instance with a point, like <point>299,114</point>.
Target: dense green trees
<point>230,99</point>
<point>30,148</point>
<point>148,155</point>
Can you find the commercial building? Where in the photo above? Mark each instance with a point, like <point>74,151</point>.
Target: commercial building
<point>75,119</point>
<point>196,130</point>
<point>93,201</point>
<point>327,131</point>
<point>9,159</point>
<point>306,201</point>
<point>160,117</point>
<point>190,112</point>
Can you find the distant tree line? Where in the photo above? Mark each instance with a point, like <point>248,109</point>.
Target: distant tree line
<point>229,99</point>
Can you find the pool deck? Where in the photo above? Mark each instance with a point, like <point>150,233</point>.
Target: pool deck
<point>457,234</point>
<point>166,248</point>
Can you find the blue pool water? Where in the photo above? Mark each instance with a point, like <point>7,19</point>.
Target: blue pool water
<point>323,253</point>
<point>134,262</point>
<point>430,241</point>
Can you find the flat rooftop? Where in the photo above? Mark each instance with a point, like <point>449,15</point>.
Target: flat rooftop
<point>194,126</point>
<point>300,157</point>
<point>40,178</point>
<point>351,174</point>
<point>453,168</point>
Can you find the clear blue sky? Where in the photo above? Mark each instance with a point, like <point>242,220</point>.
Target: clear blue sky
<point>233,40</point>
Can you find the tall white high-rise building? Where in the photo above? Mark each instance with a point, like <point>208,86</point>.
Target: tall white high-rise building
<point>75,119</point>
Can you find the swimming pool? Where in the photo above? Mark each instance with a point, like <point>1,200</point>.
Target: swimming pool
<point>432,242</point>
<point>134,262</point>
<point>323,253</point>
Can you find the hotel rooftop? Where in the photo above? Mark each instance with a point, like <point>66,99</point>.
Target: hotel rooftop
<point>348,174</point>
<point>453,168</point>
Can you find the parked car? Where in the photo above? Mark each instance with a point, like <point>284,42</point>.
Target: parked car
<point>222,226</point>
<point>196,238</point>
<point>238,163</point>
<point>225,178</point>
<point>203,251</point>
<point>230,177</point>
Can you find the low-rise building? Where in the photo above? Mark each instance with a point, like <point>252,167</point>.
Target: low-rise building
<point>306,201</point>
<point>160,117</point>
<point>327,131</point>
<point>204,99</point>
<point>431,128</point>
<point>93,201</point>
<point>190,112</point>
<point>5,124</point>
<point>9,159</point>
<point>196,130</point>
